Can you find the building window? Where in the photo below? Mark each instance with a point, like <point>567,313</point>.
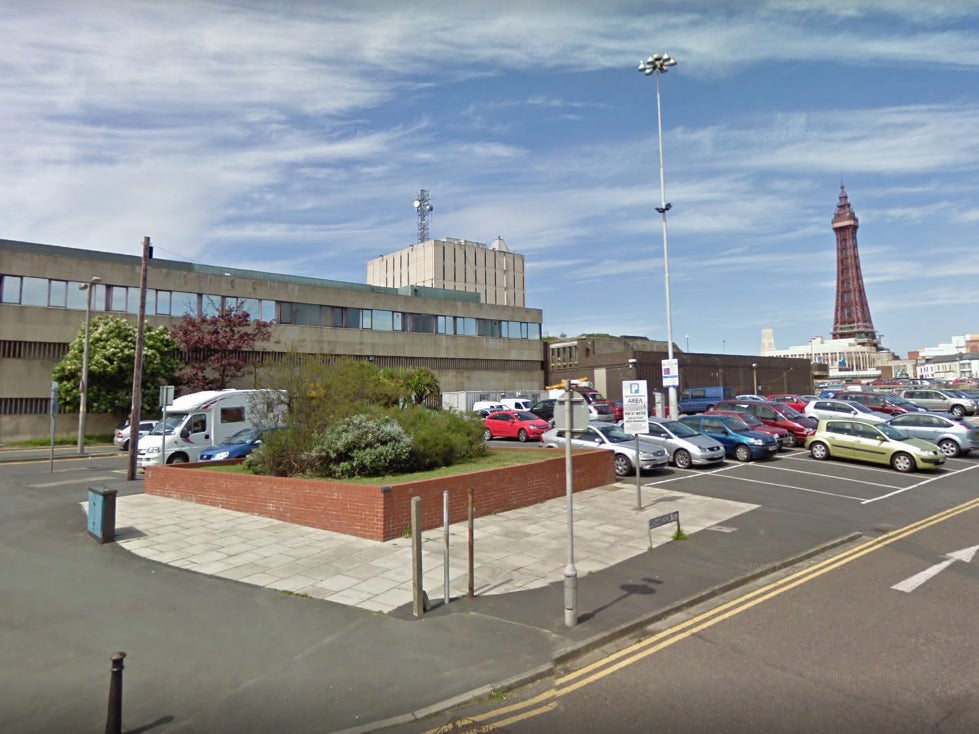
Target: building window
<point>383,321</point>
<point>34,292</point>
<point>58,293</point>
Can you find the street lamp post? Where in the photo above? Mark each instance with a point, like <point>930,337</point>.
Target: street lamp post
<point>655,65</point>
<point>83,385</point>
<point>754,376</point>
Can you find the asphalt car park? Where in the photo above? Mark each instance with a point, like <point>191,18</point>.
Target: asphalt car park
<point>795,473</point>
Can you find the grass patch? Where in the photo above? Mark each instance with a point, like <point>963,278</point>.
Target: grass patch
<point>497,458</point>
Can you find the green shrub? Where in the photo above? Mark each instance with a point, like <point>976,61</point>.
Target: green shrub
<point>440,437</point>
<point>360,446</point>
<point>282,453</point>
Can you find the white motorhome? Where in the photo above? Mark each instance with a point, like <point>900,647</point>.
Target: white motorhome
<point>201,419</point>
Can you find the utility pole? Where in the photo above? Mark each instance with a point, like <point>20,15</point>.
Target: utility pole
<point>138,362</point>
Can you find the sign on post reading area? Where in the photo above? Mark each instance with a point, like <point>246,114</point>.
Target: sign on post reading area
<point>635,406</point>
<point>671,373</point>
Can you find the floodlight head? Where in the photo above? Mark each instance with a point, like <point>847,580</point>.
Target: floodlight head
<point>417,203</point>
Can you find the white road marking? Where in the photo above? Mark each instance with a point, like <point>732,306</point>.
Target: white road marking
<point>801,489</point>
<point>848,481</point>
<point>920,484</point>
<point>86,480</point>
<point>913,582</point>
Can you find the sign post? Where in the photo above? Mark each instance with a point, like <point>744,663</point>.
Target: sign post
<point>635,419</point>
<point>671,375</point>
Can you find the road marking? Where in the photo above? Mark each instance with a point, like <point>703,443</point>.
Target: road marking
<point>792,486</point>
<point>920,484</point>
<point>823,476</point>
<point>564,685</point>
<point>86,480</point>
<point>913,582</point>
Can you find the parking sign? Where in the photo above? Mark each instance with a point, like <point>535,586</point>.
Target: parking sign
<point>635,406</point>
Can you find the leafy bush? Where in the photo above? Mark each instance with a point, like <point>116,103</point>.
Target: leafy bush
<point>361,446</point>
<point>282,453</point>
<point>440,437</point>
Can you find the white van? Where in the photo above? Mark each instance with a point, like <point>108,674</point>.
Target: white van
<point>516,403</point>
<point>489,405</point>
<point>198,420</point>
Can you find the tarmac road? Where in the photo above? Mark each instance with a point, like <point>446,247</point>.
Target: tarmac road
<point>207,654</point>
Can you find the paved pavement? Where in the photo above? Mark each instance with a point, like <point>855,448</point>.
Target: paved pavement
<point>238,623</point>
<point>513,551</point>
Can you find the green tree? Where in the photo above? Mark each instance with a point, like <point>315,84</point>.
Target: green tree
<point>213,346</point>
<point>111,360</point>
<point>413,384</point>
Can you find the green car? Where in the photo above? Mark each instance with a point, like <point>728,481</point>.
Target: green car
<point>877,443</point>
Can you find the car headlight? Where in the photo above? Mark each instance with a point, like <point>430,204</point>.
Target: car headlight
<point>219,455</point>
<point>153,450</point>
<point>646,455</point>
<point>758,442</point>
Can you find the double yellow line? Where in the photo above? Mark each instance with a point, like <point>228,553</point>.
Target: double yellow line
<point>564,685</point>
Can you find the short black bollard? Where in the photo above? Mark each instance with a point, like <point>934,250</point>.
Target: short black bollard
<point>113,719</point>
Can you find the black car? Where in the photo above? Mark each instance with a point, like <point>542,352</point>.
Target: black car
<point>544,409</point>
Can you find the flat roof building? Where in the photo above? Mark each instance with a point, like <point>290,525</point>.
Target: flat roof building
<point>468,343</point>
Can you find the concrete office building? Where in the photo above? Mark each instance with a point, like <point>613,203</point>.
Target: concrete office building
<point>468,343</point>
<point>492,271</point>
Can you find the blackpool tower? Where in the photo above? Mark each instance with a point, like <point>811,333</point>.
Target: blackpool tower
<point>852,319</point>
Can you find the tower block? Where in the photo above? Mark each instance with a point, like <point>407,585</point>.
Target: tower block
<point>852,318</point>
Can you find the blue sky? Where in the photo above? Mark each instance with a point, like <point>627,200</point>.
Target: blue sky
<point>292,137</point>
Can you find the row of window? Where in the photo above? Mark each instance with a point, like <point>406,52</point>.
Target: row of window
<point>29,291</point>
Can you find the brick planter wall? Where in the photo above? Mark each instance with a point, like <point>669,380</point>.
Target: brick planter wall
<point>380,513</point>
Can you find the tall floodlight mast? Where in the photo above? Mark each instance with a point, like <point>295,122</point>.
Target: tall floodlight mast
<point>424,207</point>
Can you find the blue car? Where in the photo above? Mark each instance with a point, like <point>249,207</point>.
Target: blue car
<point>738,440</point>
<point>238,445</point>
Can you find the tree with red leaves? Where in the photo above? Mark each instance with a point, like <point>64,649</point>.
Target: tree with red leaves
<point>213,346</point>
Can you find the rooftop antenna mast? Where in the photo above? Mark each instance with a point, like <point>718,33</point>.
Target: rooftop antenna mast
<point>424,208</point>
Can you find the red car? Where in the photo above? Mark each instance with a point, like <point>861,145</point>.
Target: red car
<point>798,402</point>
<point>782,435</point>
<point>519,424</point>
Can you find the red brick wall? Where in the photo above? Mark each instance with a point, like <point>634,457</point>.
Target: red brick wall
<point>379,513</point>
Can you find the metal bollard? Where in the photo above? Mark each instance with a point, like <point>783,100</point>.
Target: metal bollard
<point>113,719</point>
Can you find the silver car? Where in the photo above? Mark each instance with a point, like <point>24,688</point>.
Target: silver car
<point>121,435</point>
<point>685,446</point>
<point>940,401</point>
<point>844,409</point>
<point>954,436</point>
<point>600,435</point>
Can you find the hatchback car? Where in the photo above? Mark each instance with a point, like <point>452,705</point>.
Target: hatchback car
<point>797,402</point>
<point>940,401</point>
<point>519,424</point>
<point>685,446</point>
<point>600,410</point>
<point>238,445</point>
<point>738,440</point>
<point>875,401</point>
<point>121,435</point>
<point>776,414</point>
<point>544,409</point>
<point>784,438</point>
<point>844,409</point>
<point>612,438</point>
<point>954,436</point>
<point>876,443</point>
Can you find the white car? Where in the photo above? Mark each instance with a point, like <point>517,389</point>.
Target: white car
<point>600,435</point>
<point>844,409</point>
<point>121,436</point>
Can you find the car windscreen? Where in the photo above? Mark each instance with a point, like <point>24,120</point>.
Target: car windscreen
<point>892,433</point>
<point>524,415</point>
<point>615,434</point>
<point>243,436</point>
<point>861,408</point>
<point>733,422</point>
<point>173,420</point>
<point>749,419</point>
<point>680,430</point>
<point>789,412</point>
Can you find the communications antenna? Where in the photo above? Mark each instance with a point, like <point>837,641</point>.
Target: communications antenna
<point>424,208</point>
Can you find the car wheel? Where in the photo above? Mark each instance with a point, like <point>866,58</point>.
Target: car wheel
<point>623,467</point>
<point>819,450</point>
<point>792,442</point>
<point>487,435</point>
<point>902,462</point>
<point>681,458</point>
<point>949,448</point>
<point>522,435</point>
<point>125,445</point>
<point>742,453</point>
<point>177,459</point>
<point>957,410</point>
